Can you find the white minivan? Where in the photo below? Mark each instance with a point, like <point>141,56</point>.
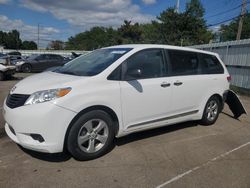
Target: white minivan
<point>111,92</point>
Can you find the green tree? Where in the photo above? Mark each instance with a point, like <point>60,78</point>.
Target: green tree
<point>195,9</point>
<point>130,33</point>
<point>29,45</point>
<point>229,32</point>
<point>10,40</point>
<point>186,28</point>
<point>150,33</point>
<point>96,37</point>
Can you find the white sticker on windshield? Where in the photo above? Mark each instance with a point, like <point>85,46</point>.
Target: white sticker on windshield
<point>118,52</point>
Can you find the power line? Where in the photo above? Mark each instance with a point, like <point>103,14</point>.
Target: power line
<point>224,21</point>
<point>221,22</point>
<point>224,12</point>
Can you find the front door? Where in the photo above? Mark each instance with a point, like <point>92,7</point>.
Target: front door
<point>146,95</point>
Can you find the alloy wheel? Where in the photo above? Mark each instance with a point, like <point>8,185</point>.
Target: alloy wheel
<point>212,110</point>
<point>93,135</point>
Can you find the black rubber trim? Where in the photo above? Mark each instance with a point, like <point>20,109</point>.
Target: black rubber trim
<point>163,119</point>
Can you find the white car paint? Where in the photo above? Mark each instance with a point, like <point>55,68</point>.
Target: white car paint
<point>4,68</point>
<point>131,106</point>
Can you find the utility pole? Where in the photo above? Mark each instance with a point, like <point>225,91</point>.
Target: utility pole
<point>38,35</point>
<point>243,12</point>
<point>177,6</point>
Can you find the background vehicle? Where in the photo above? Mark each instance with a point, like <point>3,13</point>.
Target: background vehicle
<point>112,92</point>
<point>38,63</point>
<point>6,70</point>
<point>14,56</point>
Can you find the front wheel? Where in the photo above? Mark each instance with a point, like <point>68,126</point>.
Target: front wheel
<point>26,68</point>
<point>91,136</point>
<point>211,111</point>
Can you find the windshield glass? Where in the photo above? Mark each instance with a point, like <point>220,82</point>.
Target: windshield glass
<point>92,63</point>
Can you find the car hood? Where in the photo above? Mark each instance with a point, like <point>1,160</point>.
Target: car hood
<point>44,81</point>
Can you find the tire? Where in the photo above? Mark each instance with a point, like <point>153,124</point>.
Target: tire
<point>211,111</point>
<point>1,76</point>
<point>91,135</point>
<point>26,68</point>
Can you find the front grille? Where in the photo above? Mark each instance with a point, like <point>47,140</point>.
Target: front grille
<point>16,100</point>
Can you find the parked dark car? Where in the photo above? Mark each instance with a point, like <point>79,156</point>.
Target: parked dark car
<point>39,63</point>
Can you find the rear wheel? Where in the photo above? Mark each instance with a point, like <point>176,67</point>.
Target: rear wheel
<point>26,68</point>
<point>91,136</point>
<point>211,111</point>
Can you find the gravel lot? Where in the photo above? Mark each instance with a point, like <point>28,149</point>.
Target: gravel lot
<point>182,155</point>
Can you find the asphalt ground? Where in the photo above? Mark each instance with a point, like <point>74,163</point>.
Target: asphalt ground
<point>181,155</point>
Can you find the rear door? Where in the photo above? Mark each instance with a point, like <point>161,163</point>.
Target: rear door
<point>145,91</point>
<point>58,60</point>
<point>51,61</point>
<point>40,63</point>
<point>189,86</point>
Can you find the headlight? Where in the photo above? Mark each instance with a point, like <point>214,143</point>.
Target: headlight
<point>47,95</point>
<point>19,62</point>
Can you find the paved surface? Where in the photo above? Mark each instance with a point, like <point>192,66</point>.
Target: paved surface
<point>182,155</point>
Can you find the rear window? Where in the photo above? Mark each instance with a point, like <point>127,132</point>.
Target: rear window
<point>211,65</point>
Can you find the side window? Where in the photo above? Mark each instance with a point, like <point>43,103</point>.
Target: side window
<point>40,57</point>
<point>145,64</point>
<point>58,57</point>
<point>51,57</point>
<point>211,65</point>
<point>116,74</point>
<point>183,62</point>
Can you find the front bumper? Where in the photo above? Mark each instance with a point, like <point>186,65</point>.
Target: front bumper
<point>10,72</point>
<point>45,119</point>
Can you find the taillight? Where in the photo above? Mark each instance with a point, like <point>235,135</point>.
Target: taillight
<point>229,78</point>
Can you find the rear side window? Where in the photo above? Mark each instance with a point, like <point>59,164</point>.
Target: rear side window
<point>149,62</point>
<point>210,64</point>
<point>183,62</point>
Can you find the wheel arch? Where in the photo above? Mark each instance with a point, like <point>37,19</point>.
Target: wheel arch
<point>91,108</point>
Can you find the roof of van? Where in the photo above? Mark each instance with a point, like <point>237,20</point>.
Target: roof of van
<point>145,46</point>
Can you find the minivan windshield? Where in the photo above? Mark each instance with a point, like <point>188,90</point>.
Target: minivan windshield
<point>93,63</point>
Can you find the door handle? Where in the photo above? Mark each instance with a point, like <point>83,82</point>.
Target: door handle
<point>178,83</point>
<point>165,84</point>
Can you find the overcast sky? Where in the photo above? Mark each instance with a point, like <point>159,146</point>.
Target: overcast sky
<point>60,19</point>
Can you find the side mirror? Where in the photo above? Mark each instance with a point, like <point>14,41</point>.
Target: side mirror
<point>133,74</point>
